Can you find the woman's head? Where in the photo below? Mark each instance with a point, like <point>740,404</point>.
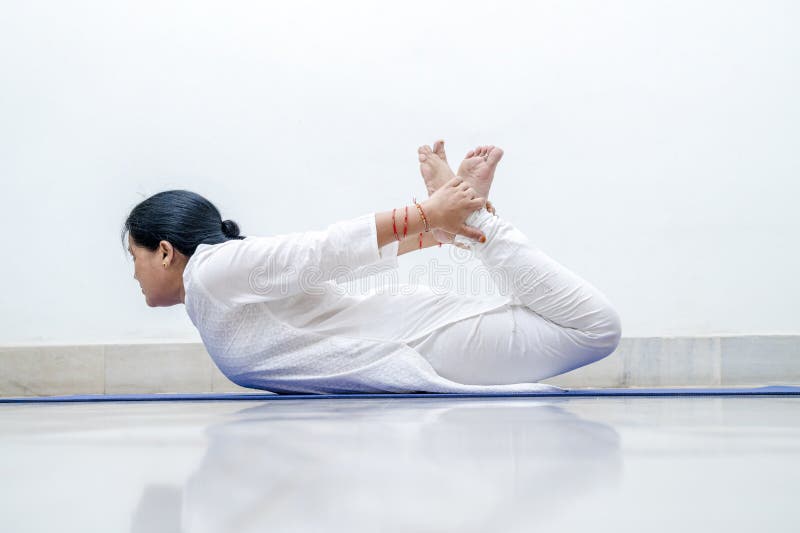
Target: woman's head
<point>163,232</point>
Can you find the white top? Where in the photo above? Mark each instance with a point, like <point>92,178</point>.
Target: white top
<point>273,316</point>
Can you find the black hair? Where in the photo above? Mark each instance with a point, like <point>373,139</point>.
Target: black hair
<point>183,218</point>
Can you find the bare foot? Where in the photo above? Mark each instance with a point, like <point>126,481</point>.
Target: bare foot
<point>436,172</point>
<point>478,168</point>
<point>433,166</point>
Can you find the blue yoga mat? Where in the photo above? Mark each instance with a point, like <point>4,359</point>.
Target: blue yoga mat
<point>773,390</point>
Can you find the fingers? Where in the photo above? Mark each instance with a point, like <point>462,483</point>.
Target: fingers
<point>472,194</point>
<point>469,231</point>
<point>455,181</point>
<point>467,192</point>
<point>464,186</point>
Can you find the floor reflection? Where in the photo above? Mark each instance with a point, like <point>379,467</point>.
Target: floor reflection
<point>366,465</point>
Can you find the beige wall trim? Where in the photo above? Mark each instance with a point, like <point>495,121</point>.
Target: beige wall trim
<point>729,361</point>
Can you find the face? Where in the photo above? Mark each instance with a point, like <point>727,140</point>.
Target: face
<point>162,286</point>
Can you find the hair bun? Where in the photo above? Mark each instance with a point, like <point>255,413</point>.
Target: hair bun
<point>230,228</point>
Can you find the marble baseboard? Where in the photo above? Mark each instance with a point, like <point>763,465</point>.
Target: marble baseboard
<point>752,360</point>
<point>731,361</point>
<point>110,369</point>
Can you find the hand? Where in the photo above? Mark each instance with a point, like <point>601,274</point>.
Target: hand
<point>450,205</point>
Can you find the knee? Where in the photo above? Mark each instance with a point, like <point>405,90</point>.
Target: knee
<point>607,334</point>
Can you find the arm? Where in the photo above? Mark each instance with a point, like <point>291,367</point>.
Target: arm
<point>269,268</point>
<point>411,243</point>
<point>447,209</point>
<point>385,228</point>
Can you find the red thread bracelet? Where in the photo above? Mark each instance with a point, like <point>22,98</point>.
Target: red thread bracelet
<point>394,225</point>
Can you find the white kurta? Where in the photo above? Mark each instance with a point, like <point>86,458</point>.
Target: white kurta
<point>273,316</point>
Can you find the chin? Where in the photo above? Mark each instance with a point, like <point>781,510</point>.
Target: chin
<point>158,304</point>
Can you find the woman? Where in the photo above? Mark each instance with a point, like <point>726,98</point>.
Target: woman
<point>272,316</point>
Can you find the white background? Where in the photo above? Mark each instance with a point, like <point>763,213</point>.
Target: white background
<point>651,146</point>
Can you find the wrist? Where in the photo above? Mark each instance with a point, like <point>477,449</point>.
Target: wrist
<point>431,212</point>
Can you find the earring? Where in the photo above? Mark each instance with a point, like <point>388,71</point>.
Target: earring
<point>165,265</point>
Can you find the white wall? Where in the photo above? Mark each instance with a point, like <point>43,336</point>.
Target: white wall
<point>651,146</point>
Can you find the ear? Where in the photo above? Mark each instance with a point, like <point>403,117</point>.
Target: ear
<point>166,249</point>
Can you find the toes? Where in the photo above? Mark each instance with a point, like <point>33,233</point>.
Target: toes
<point>495,154</point>
<point>438,148</point>
<point>424,151</point>
<point>471,153</point>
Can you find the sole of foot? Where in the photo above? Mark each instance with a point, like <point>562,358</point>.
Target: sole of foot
<point>478,168</point>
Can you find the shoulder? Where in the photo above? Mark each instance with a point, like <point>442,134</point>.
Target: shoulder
<point>225,271</point>
<point>205,260</point>
<point>202,255</point>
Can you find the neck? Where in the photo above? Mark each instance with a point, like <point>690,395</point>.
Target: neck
<point>181,289</point>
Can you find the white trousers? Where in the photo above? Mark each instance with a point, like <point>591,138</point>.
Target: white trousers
<point>555,321</point>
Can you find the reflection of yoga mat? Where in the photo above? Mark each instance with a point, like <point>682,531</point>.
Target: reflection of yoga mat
<point>773,390</point>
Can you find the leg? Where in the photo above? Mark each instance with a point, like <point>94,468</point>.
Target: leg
<point>508,345</point>
<point>555,322</point>
<point>543,285</point>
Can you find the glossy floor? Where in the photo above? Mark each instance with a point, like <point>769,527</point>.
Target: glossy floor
<point>412,465</point>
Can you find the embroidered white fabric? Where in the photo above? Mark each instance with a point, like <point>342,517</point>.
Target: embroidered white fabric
<point>272,315</point>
